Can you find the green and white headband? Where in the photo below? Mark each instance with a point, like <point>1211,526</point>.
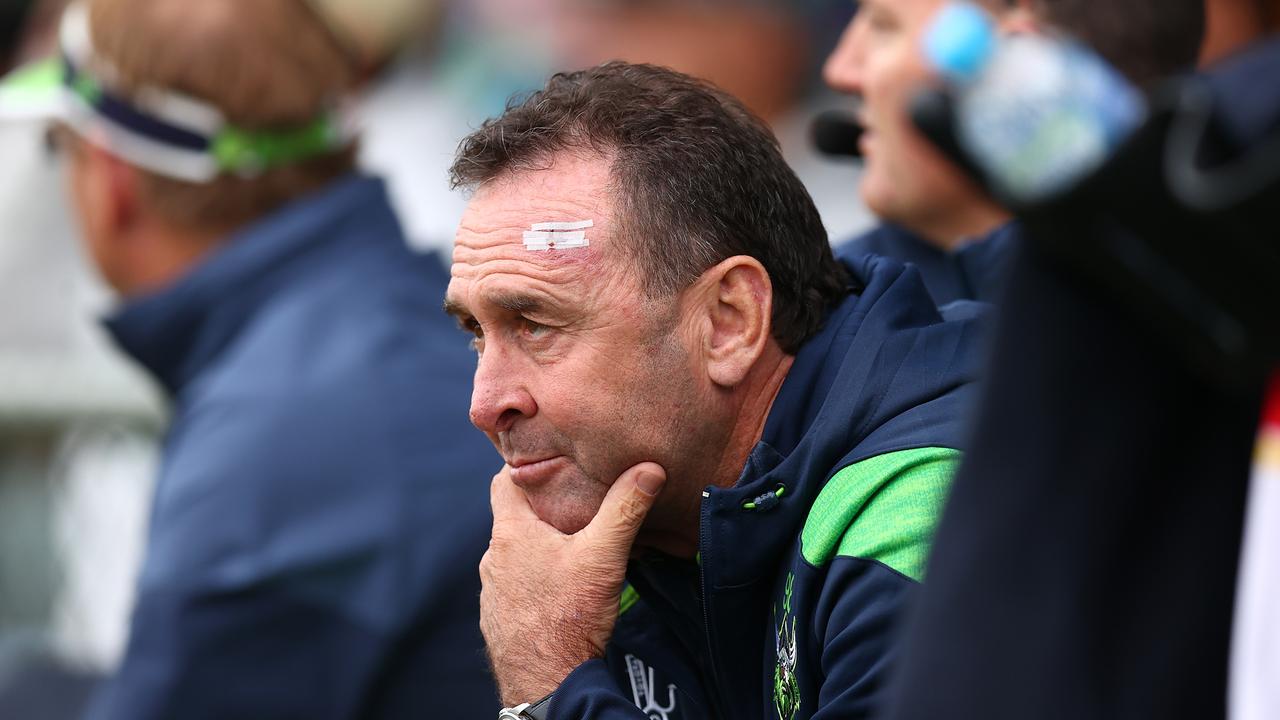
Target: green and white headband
<point>163,131</point>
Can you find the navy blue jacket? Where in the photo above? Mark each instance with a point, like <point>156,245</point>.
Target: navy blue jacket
<point>805,563</point>
<point>322,501</point>
<point>972,272</point>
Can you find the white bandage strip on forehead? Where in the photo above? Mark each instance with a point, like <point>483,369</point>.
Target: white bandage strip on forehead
<point>558,235</point>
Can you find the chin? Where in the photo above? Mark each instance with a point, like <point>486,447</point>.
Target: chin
<point>567,520</point>
<point>878,199</point>
<point>568,526</point>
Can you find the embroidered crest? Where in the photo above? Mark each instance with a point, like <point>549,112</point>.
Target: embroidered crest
<point>645,692</point>
<point>786,687</point>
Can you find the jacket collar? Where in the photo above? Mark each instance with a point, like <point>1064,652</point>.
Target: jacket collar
<point>177,331</point>
<point>842,387</point>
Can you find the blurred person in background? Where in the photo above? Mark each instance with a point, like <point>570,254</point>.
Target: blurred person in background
<point>757,51</point>
<point>321,504</point>
<point>1231,26</point>
<point>1086,565</point>
<point>935,216</point>
<point>766,53</point>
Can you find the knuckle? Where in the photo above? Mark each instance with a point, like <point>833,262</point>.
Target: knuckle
<point>633,510</point>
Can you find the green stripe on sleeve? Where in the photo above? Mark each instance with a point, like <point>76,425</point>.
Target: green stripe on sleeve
<point>884,508</point>
<point>629,598</point>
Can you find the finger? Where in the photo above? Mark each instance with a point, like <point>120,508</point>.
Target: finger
<point>626,506</point>
<point>508,501</point>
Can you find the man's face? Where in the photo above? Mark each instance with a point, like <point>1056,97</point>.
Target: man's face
<point>879,59</point>
<point>578,376</point>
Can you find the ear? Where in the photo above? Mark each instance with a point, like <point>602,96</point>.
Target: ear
<point>121,191</point>
<point>107,191</point>
<point>737,299</point>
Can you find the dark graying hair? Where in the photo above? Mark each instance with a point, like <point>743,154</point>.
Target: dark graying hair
<point>696,178</point>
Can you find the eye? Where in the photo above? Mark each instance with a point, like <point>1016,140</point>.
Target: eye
<point>881,20</point>
<point>473,327</point>
<point>533,330</point>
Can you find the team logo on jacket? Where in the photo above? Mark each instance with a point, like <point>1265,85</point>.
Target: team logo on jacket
<point>644,691</point>
<point>786,688</point>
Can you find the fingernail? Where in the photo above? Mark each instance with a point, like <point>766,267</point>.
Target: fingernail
<point>650,483</point>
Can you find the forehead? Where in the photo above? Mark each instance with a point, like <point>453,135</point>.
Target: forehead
<point>490,249</point>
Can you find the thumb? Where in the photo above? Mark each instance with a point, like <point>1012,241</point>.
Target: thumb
<point>626,506</point>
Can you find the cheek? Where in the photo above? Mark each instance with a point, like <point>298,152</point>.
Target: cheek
<point>622,412</point>
<point>76,184</point>
<point>889,70</point>
<point>909,178</point>
<point>901,163</point>
<point>90,218</point>
<point>585,407</point>
<point>884,96</point>
<point>876,189</point>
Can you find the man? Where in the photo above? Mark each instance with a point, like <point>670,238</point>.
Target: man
<point>936,217</point>
<point>678,372</point>
<point>316,523</point>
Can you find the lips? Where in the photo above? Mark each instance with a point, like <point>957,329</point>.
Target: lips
<point>529,473</point>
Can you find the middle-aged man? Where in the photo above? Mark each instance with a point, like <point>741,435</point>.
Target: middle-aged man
<point>935,216</point>
<point>318,517</point>
<point>690,393</point>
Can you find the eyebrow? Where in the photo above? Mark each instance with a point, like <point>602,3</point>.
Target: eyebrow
<point>456,309</point>
<point>516,303</point>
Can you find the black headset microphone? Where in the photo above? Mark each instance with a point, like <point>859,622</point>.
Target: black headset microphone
<point>836,134</point>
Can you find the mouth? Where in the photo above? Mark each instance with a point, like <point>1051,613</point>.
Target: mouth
<point>530,473</point>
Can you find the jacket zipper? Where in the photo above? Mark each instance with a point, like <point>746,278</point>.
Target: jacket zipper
<point>706,614</point>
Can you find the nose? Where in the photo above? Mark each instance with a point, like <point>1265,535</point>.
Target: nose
<point>500,396</point>
<point>844,68</point>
